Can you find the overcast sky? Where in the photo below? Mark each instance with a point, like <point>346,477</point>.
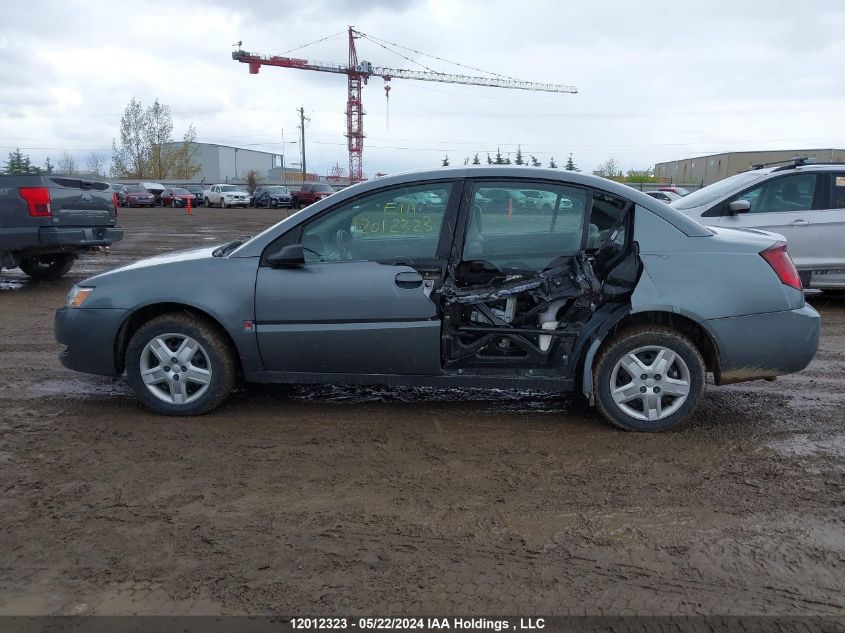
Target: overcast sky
<point>656,80</point>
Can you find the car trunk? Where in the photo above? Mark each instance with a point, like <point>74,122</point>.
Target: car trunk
<point>80,202</point>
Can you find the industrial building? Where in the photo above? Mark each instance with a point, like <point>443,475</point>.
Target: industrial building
<point>225,163</point>
<point>705,170</point>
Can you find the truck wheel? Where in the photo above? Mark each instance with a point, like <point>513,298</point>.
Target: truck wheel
<point>180,365</point>
<point>648,379</point>
<point>206,203</point>
<point>47,266</point>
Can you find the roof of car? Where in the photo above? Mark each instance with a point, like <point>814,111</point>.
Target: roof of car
<point>680,221</point>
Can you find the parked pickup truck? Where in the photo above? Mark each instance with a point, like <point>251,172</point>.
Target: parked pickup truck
<point>226,196</point>
<point>46,221</point>
<point>310,193</point>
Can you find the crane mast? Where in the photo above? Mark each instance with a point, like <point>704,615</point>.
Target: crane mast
<point>359,73</point>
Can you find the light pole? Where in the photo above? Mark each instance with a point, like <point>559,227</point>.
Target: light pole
<point>284,172</point>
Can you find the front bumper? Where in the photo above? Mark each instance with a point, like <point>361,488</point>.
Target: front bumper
<point>765,345</point>
<point>90,336</point>
<point>79,236</point>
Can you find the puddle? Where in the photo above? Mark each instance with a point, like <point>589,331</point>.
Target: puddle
<point>805,446</point>
<point>90,388</point>
<point>12,284</point>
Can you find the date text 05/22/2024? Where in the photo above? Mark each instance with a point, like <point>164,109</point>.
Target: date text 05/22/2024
<point>418,624</point>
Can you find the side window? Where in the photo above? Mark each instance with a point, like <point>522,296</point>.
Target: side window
<point>837,191</point>
<point>787,193</point>
<point>401,223</point>
<point>605,216</point>
<point>523,225</point>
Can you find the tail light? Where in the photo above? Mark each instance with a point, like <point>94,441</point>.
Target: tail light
<point>781,263</point>
<point>114,202</point>
<point>37,201</point>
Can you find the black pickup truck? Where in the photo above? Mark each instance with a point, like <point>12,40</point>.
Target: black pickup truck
<point>47,220</point>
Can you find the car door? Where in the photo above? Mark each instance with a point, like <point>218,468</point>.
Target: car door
<point>787,205</point>
<point>362,302</point>
<point>829,224</point>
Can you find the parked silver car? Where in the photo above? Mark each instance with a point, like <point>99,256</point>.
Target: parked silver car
<point>804,202</point>
<point>609,292</point>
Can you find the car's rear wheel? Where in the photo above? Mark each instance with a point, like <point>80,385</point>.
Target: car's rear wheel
<point>648,379</point>
<point>47,266</point>
<point>179,365</point>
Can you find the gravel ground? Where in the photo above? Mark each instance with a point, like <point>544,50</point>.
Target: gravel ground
<point>303,500</point>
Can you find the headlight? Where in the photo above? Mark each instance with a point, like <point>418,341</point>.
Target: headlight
<point>77,296</point>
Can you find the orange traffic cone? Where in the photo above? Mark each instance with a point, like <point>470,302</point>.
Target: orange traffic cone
<point>189,205</point>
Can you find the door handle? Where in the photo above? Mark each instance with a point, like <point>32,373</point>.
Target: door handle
<point>409,279</point>
<point>799,223</point>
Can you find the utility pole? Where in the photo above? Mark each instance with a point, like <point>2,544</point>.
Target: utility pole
<point>302,140</point>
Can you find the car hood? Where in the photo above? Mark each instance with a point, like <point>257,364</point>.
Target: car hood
<point>156,262</point>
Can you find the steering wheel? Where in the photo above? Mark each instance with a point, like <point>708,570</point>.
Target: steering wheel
<point>344,245</point>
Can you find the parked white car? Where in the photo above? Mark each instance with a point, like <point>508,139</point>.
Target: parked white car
<point>804,202</point>
<point>226,196</point>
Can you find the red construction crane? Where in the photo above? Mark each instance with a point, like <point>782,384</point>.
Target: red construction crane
<point>359,73</point>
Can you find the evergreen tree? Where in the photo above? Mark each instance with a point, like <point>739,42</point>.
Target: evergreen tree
<point>489,160</point>
<point>476,161</point>
<point>570,164</point>
<point>499,160</point>
<point>48,166</point>
<point>446,160</point>
<point>519,160</point>
<point>552,163</point>
<point>19,163</point>
<point>534,161</point>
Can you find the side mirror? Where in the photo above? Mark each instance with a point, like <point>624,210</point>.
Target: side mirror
<point>739,206</point>
<point>290,256</point>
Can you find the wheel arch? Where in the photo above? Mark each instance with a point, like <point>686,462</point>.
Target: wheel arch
<point>699,335</point>
<point>143,314</point>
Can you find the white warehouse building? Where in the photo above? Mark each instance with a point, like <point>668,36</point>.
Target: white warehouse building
<point>224,163</point>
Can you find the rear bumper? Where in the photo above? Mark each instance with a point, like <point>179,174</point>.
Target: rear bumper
<point>765,345</point>
<point>89,337</point>
<point>80,236</point>
<point>41,239</point>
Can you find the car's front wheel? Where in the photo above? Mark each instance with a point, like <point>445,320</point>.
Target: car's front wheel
<point>47,266</point>
<point>648,378</point>
<point>222,203</point>
<point>180,365</point>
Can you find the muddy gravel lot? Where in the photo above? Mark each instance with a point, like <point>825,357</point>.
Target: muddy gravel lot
<point>303,500</point>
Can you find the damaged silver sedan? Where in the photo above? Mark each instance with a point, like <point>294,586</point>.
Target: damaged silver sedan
<point>457,278</point>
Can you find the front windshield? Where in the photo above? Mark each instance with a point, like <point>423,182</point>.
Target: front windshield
<point>229,188</point>
<point>137,190</point>
<point>276,190</point>
<point>323,188</point>
<point>180,192</point>
<point>713,192</point>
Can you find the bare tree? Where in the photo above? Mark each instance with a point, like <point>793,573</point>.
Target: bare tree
<point>184,166</point>
<point>67,164</point>
<point>159,134</point>
<point>608,169</point>
<point>130,158</point>
<point>96,164</point>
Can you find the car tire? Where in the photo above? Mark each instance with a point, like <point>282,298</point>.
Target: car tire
<point>674,373</point>
<point>205,202</point>
<point>172,204</point>
<point>222,203</point>
<point>213,360</point>
<point>47,266</point>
